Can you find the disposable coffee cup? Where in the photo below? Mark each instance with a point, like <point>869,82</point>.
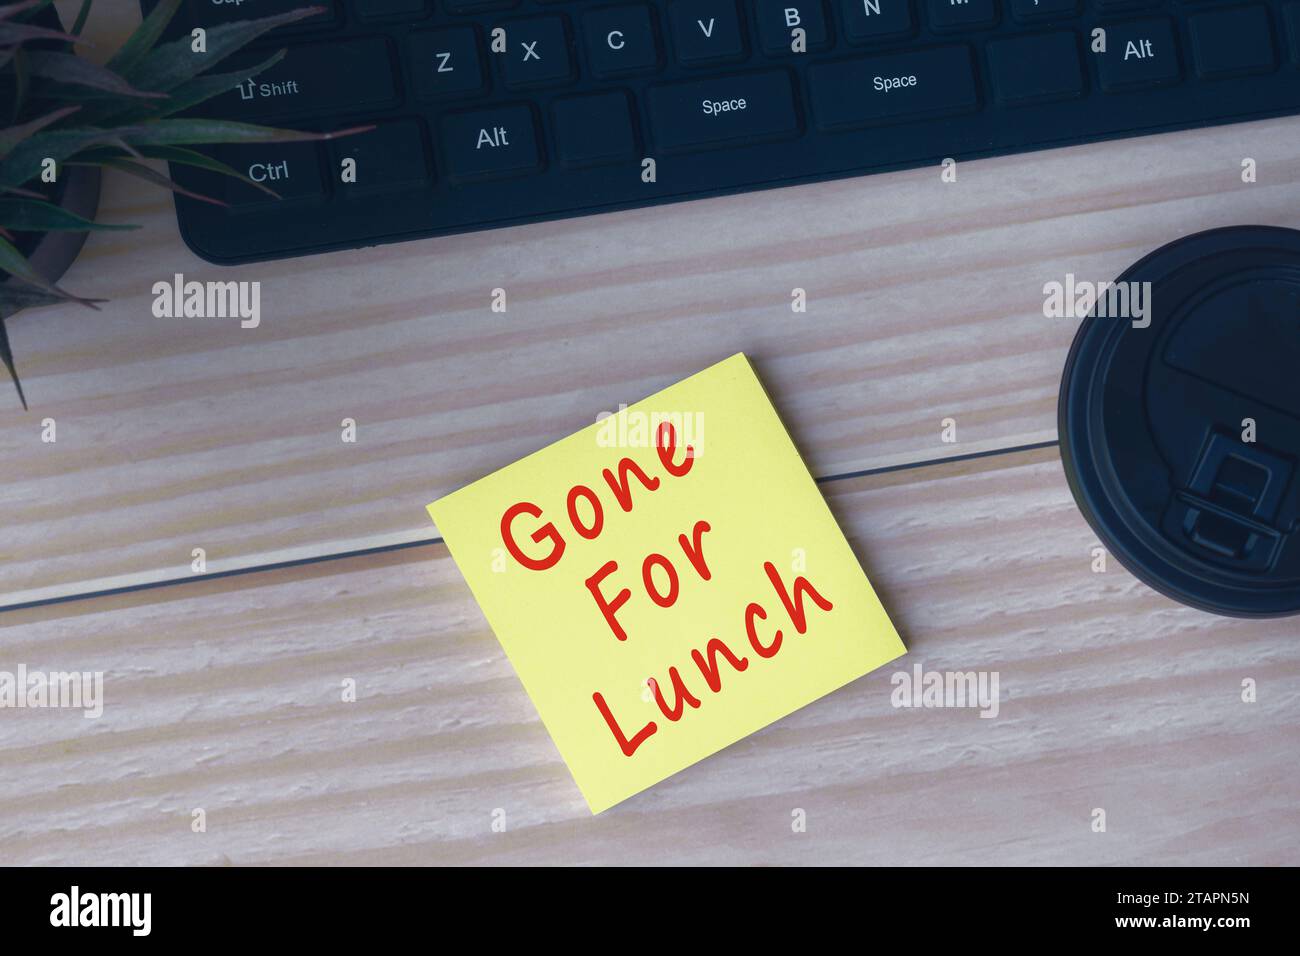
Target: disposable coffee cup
<point>1179,418</point>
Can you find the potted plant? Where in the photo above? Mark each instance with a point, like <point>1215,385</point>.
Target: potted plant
<point>66,119</point>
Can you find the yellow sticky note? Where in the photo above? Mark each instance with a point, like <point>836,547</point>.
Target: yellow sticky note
<point>666,581</point>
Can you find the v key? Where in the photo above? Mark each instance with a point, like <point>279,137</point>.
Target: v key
<point>707,30</point>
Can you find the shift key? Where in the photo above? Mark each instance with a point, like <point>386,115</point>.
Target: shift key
<point>314,79</point>
<point>715,112</point>
<point>892,89</point>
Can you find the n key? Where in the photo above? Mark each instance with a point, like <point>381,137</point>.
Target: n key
<point>537,52</point>
<point>707,30</point>
<point>875,21</point>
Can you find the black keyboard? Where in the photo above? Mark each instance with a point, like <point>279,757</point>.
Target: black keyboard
<point>497,112</point>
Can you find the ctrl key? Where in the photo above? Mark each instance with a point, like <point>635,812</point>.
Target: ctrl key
<point>484,144</point>
<point>292,170</point>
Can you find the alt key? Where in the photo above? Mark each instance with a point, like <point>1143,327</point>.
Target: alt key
<point>489,143</point>
<point>1139,54</point>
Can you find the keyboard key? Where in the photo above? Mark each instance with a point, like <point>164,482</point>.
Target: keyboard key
<point>716,79</point>
<point>1232,42</point>
<point>950,15</point>
<point>324,78</point>
<point>706,31</point>
<point>892,88</point>
<point>1138,54</point>
<point>485,143</point>
<point>537,52</point>
<point>387,9</point>
<point>594,129</point>
<point>478,6</point>
<point>871,21</point>
<point>778,19</point>
<point>207,13</point>
<point>717,111</point>
<point>291,169</point>
<point>445,62</point>
<point>620,40</point>
<point>1030,10</point>
<point>1032,69</point>
<point>389,158</point>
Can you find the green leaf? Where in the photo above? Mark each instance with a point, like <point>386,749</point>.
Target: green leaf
<point>145,37</point>
<point>28,215</point>
<point>181,157</point>
<point>193,92</point>
<point>21,77</point>
<point>23,164</point>
<point>15,263</point>
<point>12,136</point>
<point>14,297</point>
<point>197,132</point>
<point>122,145</point>
<point>17,191</point>
<point>74,70</point>
<point>192,157</point>
<point>11,10</point>
<point>80,22</point>
<point>157,178</point>
<point>171,64</point>
<point>7,353</point>
<point>189,94</point>
<point>12,34</point>
<point>34,10</point>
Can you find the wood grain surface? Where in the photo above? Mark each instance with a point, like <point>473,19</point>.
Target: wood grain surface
<point>226,695</point>
<point>924,302</point>
<point>224,691</point>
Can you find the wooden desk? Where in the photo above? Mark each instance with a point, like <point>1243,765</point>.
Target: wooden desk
<point>925,303</point>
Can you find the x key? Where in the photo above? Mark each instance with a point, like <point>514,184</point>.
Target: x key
<point>536,52</point>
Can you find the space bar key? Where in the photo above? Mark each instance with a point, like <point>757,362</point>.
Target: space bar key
<point>892,88</point>
<point>701,114</point>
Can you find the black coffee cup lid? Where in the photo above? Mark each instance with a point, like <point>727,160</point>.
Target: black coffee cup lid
<point>1180,427</point>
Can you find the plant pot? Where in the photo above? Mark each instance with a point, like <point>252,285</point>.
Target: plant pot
<point>54,252</point>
